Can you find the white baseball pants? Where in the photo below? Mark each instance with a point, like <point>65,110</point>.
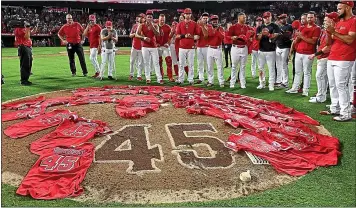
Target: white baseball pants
<point>164,52</point>
<point>186,55</point>
<point>107,55</point>
<point>302,65</point>
<point>254,58</point>
<point>339,73</point>
<point>322,79</point>
<point>94,59</point>
<point>202,55</point>
<point>215,55</point>
<point>173,54</point>
<point>238,56</point>
<point>270,59</point>
<point>149,54</point>
<point>282,65</point>
<point>136,57</point>
<point>352,83</point>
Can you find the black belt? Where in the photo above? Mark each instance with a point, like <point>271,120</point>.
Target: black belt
<point>215,47</point>
<point>239,46</point>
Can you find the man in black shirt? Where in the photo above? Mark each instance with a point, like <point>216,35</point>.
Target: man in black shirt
<point>283,43</point>
<point>267,34</point>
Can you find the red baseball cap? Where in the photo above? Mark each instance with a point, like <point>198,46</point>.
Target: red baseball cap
<point>348,3</point>
<point>149,12</point>
<point>141,15</point>
<point>92,17</point>
<point>333,15</point>
<point>282,16</point>
<point>214,17</point>
<point>187,11</point>
<point>174,23</point>
<point>266,14</point>
<point>259,19</point>
<point>108,24</point>
<point>296,24</point>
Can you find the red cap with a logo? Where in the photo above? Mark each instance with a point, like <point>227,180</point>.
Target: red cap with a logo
<point>187,11</point>
<point>92,17</point>
<point>348,3</point>
<point>333,15</point>
<point>259,19</point>
<point>108,24</point>
<point>266,14</point>
<point>214,17</point>
<point>149,12</point>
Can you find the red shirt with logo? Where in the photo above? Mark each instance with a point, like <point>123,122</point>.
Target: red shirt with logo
<point>237,30</point>
<point>136,42</point>
<point>148,32</point>
<point>341,51</point>
<point>163,38</point>
<point>94,36</point>
<point>20,37</point>
<point>72,32</point>
<point>308,32</point>
<point>202,42</point>
<point>215,36</point>
<point>184,28</point>
<point>323,42</point>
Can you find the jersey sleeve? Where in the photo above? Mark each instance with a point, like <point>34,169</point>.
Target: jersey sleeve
<point>61,31</point>
<point>316,32</point>
<point>178,31</point>
<point>230,32</point>
<point>353,25</point>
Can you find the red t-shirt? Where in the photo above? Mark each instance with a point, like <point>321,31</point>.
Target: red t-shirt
<point>136,42</point>
<point>25,113</point>
<point>72,32</point>
<point>20,37</point>
<point>94,36</point>
<point>202,42</point>
<point>308,32</point>
<point>58,173</point>
<point>23,103</point>
<point>184,28</point>
<point>341,51</point>
<point>237,30</point>
<point>163,38</point>
<point>323,42</point>
<point>215,36</point>
<point>148,32</point>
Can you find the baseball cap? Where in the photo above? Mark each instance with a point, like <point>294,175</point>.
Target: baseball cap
<point>259,19</point>
<point>214,17</point>
<point>149,12</point>
<point>296,24</point>
<point>333,15</point>
<point>348,3</point>
<point>108,24</point>
<point>282,16</point>
<point>205,14</point>
<point>174,23</point>
<point>187,11</point>
<point>266,14</point>
<point>92,17</point>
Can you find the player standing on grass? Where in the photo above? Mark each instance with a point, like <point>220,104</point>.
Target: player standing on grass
<point>109,38</point>
<point>92,31</point>
<point>136,52</point>
<point>173,48</point>
<point>71,35</point>
<point>163,41</point>
<point>202,48</point>
<point>255,47</point>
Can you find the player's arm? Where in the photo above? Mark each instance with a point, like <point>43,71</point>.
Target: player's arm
<point>27,32</point>
<point>61,35</point>
<point>103,37</point>
<point>221,32</point>
<point>259,33</point>
<point>132,33</point>
<point>81,29</point>
<point>114,36</point>
<point>275,33</point>
<point>179,34</point>
<point>314,39</point>
<point>197,30</point>
<point>348,39</point>
<point>85,33</point>
<point>139,33</point>
<point>204,31</point>
<point>155,29</point>
<point>169,36</point>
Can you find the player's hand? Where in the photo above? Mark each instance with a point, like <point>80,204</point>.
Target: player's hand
<point>65,42</point>
<point>82,42</point>
<point>188,35</point>
<point>166,45</point>
<point>330,26</point>
<point>99,50</point>
<point>311,57</point>
<point>234,38</point>
<point>147,39</point>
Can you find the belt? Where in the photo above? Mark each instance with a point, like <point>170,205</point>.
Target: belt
<point>215,47</point>
<point>238,46</point>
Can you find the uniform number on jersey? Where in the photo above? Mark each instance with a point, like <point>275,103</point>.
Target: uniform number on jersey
<point>59,163</point>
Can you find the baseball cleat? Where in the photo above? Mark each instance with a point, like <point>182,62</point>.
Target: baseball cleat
<point>96,75</point>
<point>315,100</point>
<point>232,86</point>
<point>161,82</point>
<point>148,81</point>
<point>243,87</point>
<point>209,84</point>
<point>292,91</point>
<point>110,78</point>
<point>271,88</point>
<point>85,75</point>
<point>342,118</point>
<point>260,87</point>
<point>300,90</point>
<point>74,74</point>
<point>191,83</point>
<point>139,79</point>
<point>328,112</point>
<point>199,82</point>
<point>305,93</point>
<point>222,85</point>
<point>171,80</point>
<point>130,77</point>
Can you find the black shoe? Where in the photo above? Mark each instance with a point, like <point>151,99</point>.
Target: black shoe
<point>110,78</point>
<point>26,83</point>
<point>31,73</point>
<point>74,74</point>
<point>225,67</point>
<point>85,74</point>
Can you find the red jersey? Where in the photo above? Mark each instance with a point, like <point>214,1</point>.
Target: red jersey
<point>90,100</point>
<point>72,32</point>
<point>30,112</point>
<point>148,32</point>
<point>23,103</point>
<point>20,37</point>
<point>308,32</point>
<point>55,101</point>
<point>70,132</point>
<point>136,101</point>
<point>215,36</point>
<point>94,36</point>
<point>227,39</point>
<point>39,123</point>
<point>323,42</point>
<point>237,30</point>
<point>136,42</point>
<point>137,111</point>
<point>255,43</point>
<point>58,173</point>
<point>184,28</point>
<point>163,38</point>
<point>202,42</point>
<point>341,51</point>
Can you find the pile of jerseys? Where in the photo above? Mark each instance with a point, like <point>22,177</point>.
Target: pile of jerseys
<point>270,130</point>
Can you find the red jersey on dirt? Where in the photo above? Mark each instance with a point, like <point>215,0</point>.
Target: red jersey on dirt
<point>136,42</point>
<point>25,113</point>
<point>148,32</point>
<point>184,28</point>
<point>23,103</point>
<point>94,36</point>
<point>72,32</point>
<point>308,32</point>
<point>20,37</point>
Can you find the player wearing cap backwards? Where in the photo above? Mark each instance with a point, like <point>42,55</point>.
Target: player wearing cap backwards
<point>307,39</point>
<point>164,41</point>
<point>147,32</point>
<point>239,51</point>
<point>92,31</point>
<point>202,47</point>
<point>284,43</point>
<point>136,53</point>
<point>342,36</point>
<point>215,34</point>
<point>109,39</point>
<point>187,31</point>
<point>266,34</point>
<point>322,56</point>
<point>173,48</point>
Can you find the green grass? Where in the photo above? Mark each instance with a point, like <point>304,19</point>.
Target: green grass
<point>332,186</point>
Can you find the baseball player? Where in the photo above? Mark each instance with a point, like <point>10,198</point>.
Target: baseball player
<point>92,31</point>
<point>266,34</point>
<point>227,46</point>
<point>322,56</point>
<point>239,51</point>
<point>353,79</point>
<point>109,38</point>
<point>202,48</point>
<point>136,53</point>
<point>215,37</point>
<point>147,32</point>
<point>173,48</point>
<point>187,31</point>
<point>307,39</point>
<point>284,43</point>
<point>255,46</point>
<point>341,60</point>
<point>163,41</point>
